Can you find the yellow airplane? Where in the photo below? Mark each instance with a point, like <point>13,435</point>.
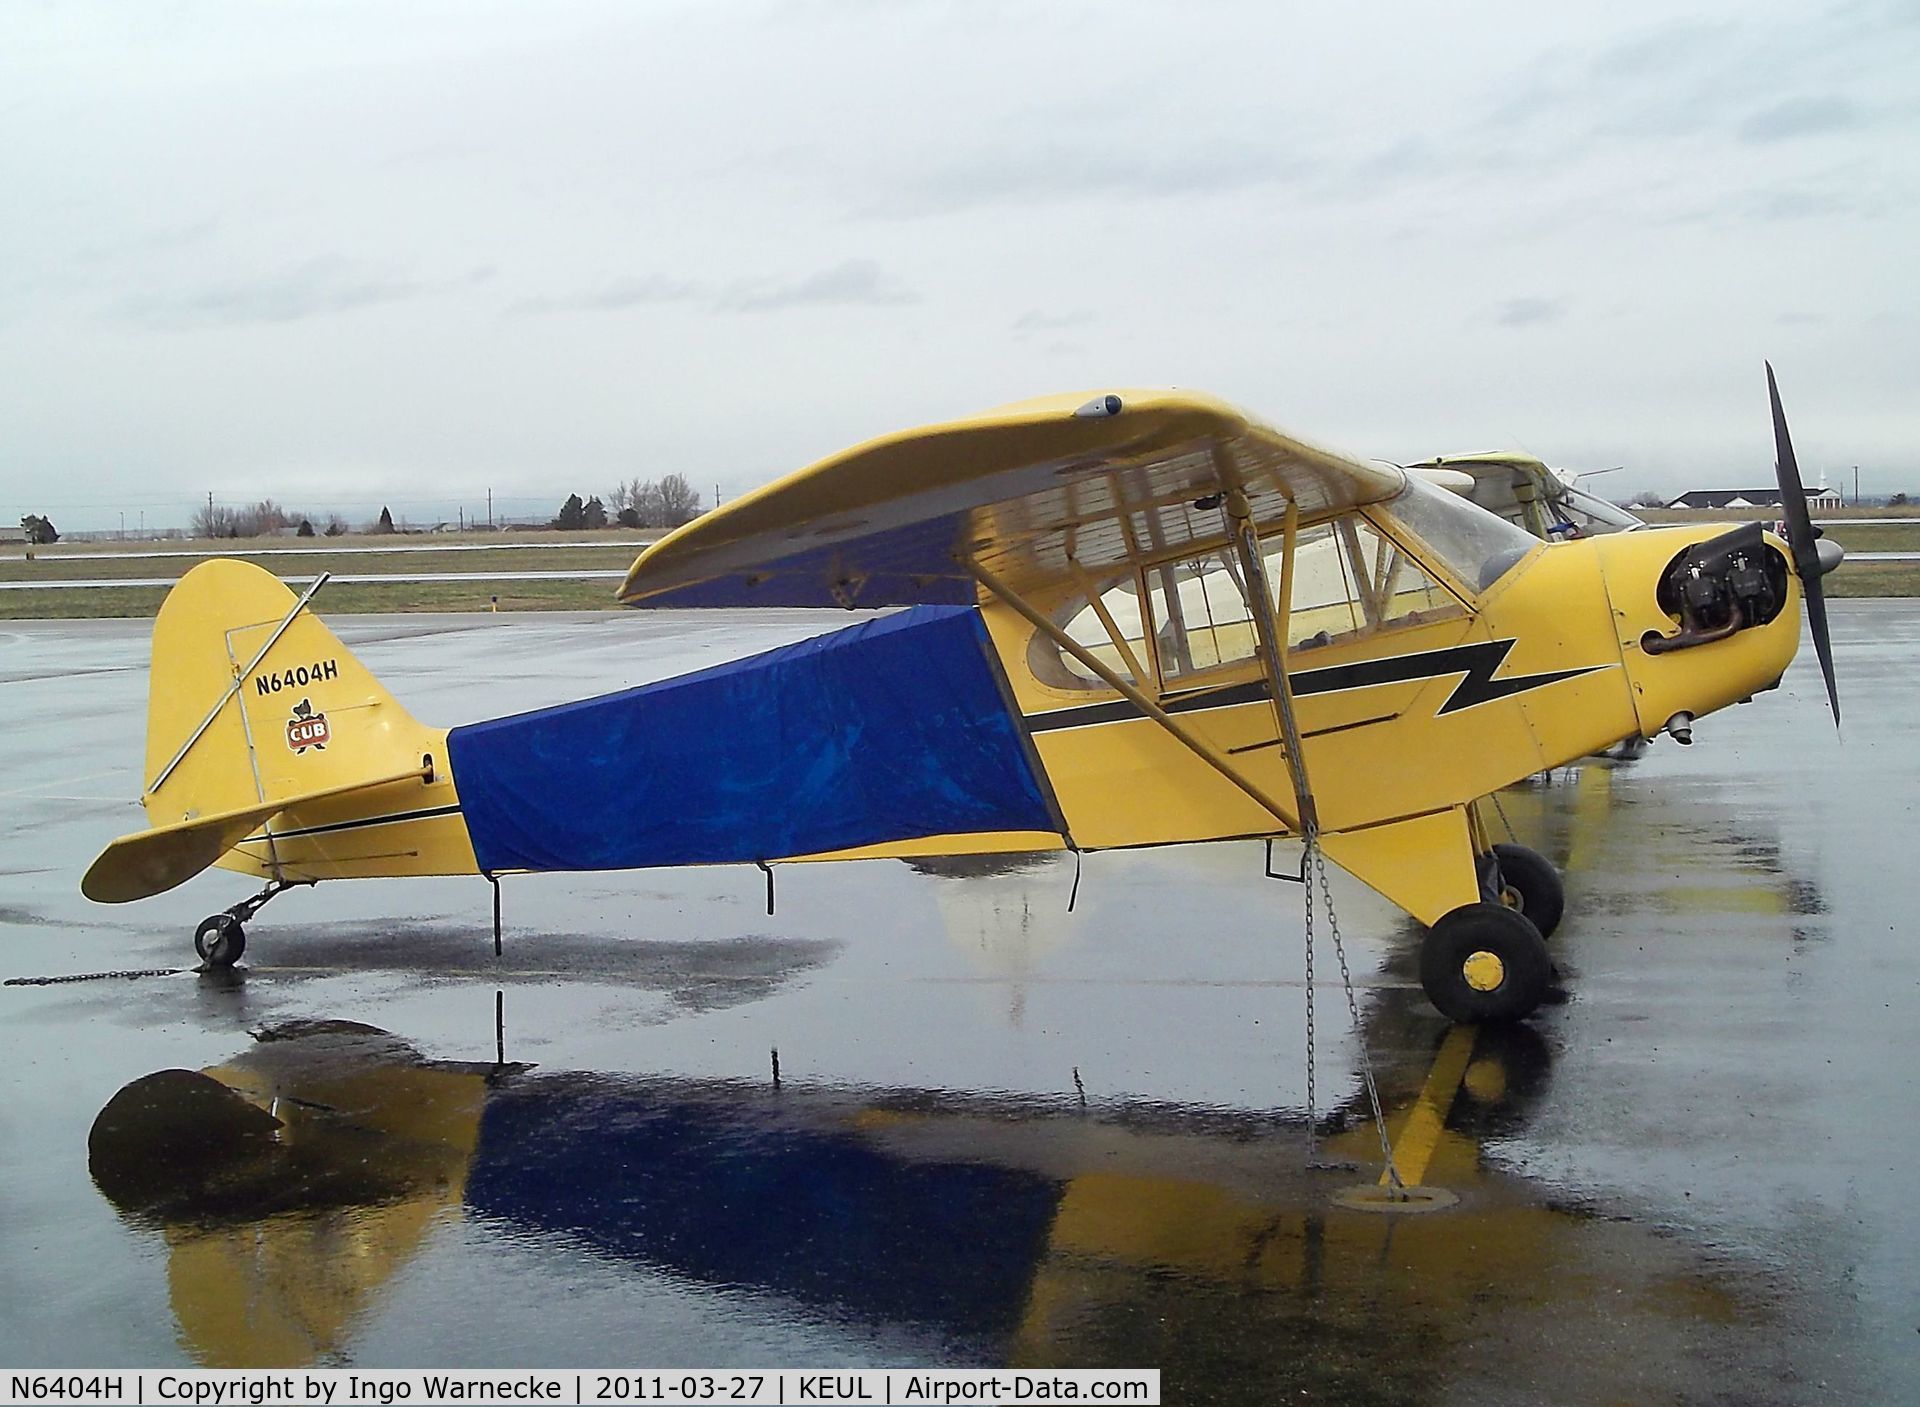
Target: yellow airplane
<point>1138,619</point>
<point>1546,502</point>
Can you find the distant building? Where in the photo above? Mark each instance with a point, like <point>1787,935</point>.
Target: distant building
<point>1769,497</point>
<point>12,534</point>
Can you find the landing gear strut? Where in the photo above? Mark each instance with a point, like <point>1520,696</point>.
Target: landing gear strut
<point>1525,881</point>
<point>221,938</point>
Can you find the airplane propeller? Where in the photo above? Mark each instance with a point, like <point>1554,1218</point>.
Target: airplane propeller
<point>1813,556</point>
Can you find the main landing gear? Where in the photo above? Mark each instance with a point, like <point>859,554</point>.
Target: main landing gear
<point>221,938</point>
<point>1487,962</point>
<point>1525,881</point>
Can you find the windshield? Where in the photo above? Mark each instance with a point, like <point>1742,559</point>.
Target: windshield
<point>1467,540</point>
<point>1587,515</point>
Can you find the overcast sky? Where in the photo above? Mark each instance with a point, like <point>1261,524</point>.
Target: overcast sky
<point>373,250</point>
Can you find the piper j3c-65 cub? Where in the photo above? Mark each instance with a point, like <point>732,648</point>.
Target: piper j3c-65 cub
<point>1137,619</point>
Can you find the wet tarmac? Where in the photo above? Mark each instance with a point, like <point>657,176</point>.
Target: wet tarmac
<point>999,1132</point>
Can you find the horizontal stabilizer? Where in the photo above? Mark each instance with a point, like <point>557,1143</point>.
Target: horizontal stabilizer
<point>153,861</point>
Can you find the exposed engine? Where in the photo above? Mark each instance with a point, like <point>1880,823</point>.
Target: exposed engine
<point>1717,587</point>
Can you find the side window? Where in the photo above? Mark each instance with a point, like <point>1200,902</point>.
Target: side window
<point>1201,619</point>
<point>1349,580</point>
<point>1170,622</point>
<point>1195,618</point>
<point>1108,624</point>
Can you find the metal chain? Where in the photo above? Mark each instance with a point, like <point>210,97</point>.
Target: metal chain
<point>126,973</point>
<point>1318,863</point>
<point>1273,647</point>
<point>1313,1115</point>
<point>1501,811</point>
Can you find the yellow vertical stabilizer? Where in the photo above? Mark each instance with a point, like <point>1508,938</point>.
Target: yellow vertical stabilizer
<point>255,708</point>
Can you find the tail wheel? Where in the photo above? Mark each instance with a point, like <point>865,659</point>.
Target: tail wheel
<point>1485,963</point>
<point>1530,885</point>
<point>220,940</point>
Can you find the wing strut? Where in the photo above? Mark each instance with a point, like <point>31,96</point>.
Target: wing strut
<point>1287,819</point>
<point>1272,633</point>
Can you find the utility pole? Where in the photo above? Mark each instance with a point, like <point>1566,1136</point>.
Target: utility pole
<point>489,508</point>
<point>1856,486</point>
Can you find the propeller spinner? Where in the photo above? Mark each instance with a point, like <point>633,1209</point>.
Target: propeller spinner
<point>1813,557</point>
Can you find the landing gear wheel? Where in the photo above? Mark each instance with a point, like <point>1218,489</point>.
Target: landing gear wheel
<point>1530,885</point>
<point>220,940</point>
<point>1485,963</point>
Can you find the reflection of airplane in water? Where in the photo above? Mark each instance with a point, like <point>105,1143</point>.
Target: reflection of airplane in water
<point>291,1183</point>
<point>1693,854</point>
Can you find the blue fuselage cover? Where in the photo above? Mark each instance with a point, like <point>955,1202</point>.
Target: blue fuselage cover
<point>889,730</point>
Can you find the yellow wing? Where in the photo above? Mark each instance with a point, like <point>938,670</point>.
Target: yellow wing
<point>1035,492</point>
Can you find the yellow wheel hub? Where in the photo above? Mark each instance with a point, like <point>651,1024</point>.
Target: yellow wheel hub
<point>1484,971</point>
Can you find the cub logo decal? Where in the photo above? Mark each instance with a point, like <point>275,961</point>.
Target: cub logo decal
<point>307,729</point>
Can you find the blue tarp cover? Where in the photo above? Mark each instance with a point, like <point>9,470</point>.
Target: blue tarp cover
<point>889,730</point>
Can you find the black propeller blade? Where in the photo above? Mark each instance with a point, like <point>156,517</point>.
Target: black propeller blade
<point>1801,539</point>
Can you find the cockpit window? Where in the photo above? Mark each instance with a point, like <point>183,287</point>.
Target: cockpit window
<point>1170,625</point>
<point>1196,619</point>
<point>1350,579</point>
<point>1468,541</point>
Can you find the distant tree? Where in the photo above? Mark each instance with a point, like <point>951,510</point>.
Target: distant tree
<point>40,531</point>
<point>385,522</point>
<point>1899,500</point>
<point>264,517</point>
<point>305,529</point>
<point>1646,498</point>
<point>336,525</point>
<point>594,515</point>
<point>679,501</point>
<point>573,514</point>
<point>663,503</point>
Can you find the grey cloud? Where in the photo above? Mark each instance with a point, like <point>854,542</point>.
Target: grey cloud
<point>313,289</point>
<point>617,296</point>
<point>1695,78</point>
<point>1010,175</point>
<point>857,283</point>
<point>1800,117</point>
<point>1797,205</point>
<point>1528,312</point>
<point>1668,47</point>
<point>1034,320</point>
<point>158,241</point>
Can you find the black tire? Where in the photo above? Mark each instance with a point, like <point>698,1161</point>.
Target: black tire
<point>1485,963</point>
<point>220,940</point>
<point>1531,886</point>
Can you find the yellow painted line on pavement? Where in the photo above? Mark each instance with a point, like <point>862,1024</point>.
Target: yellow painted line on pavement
<point>1420,1131</point>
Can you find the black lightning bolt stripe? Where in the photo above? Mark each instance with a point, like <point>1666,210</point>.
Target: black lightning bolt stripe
<point>1476,664</point>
